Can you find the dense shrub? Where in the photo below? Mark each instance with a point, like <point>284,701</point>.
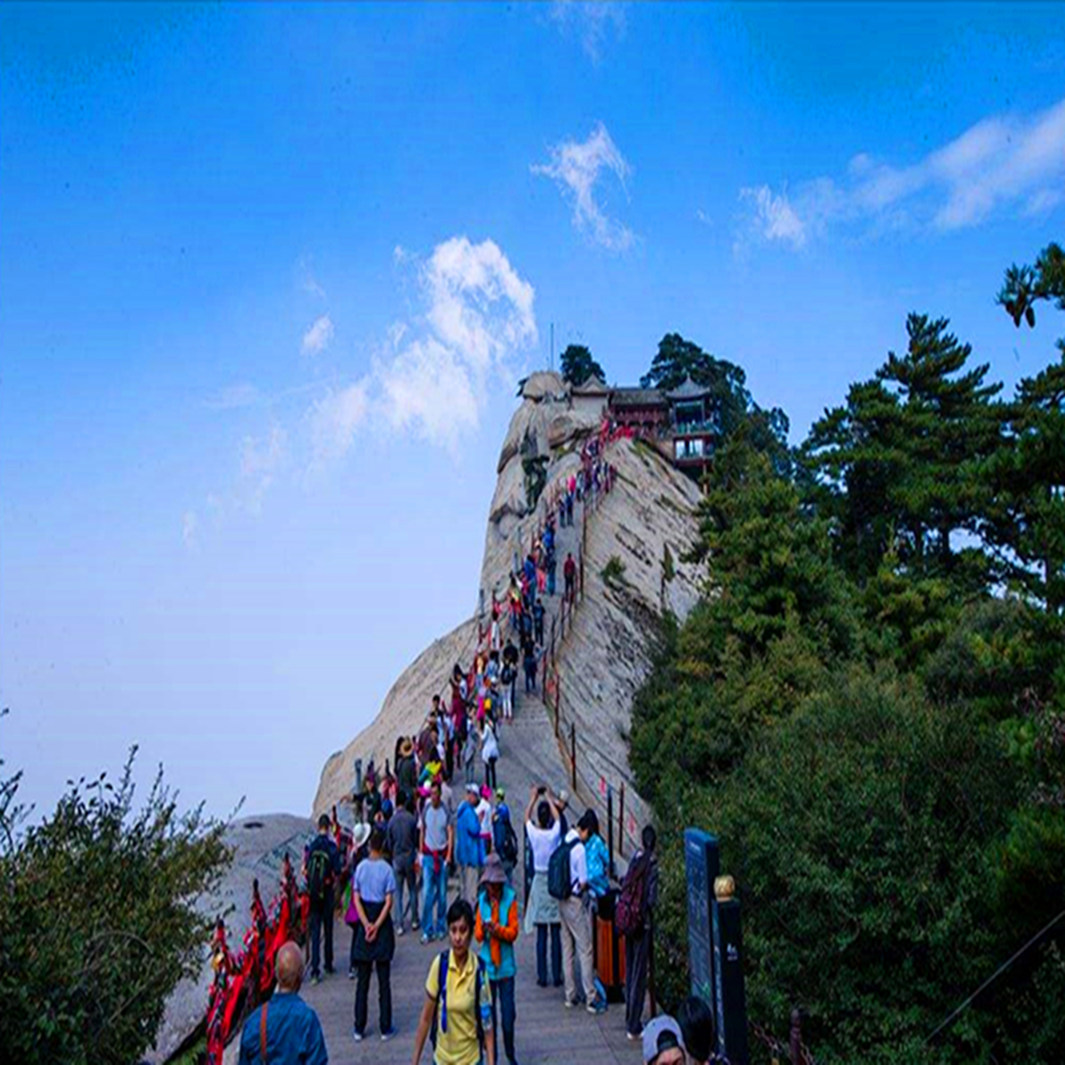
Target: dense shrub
<point>97,920</point>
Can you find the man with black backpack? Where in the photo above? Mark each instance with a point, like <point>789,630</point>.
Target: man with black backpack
<point>322,865</point>
<point>633,919</point>
<point>567,881</point>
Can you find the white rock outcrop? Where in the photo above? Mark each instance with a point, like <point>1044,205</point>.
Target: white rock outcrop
<point>645,524</point>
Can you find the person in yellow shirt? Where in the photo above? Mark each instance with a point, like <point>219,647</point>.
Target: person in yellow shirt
<point>457,1014</point>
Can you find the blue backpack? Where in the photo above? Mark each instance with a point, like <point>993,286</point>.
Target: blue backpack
<point>441,1001</point>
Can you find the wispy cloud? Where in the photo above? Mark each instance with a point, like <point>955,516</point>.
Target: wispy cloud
<point>307,279</point>
<point>234,397</point>
<point>318,337</point>
<point>576,167</point>
<point>261,459</point>
<point>478,313</point>
<point>429,378</point>
<point>189,526</point>
<point>334,421</point>
<point>1001,163</point>
<point>593,24</point>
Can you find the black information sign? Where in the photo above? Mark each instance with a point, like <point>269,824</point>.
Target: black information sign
<point>703,862</point>
<point>729,999</point>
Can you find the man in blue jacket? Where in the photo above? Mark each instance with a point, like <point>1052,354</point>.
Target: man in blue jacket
<point>284,1030</point>
<point>469,847</point>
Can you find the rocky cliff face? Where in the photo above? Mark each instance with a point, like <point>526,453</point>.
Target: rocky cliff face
<point>644,525</point>
<point>259,846</point>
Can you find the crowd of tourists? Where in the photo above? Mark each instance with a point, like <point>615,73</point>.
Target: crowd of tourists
<point>435,851</point>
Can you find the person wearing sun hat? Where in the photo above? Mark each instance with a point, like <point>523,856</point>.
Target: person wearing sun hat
<point>496,929</point>
<point>663,1043</point>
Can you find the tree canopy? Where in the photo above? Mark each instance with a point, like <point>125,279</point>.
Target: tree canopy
<point>868,706</point>
<point>98,921</point>
<point>578,365</point>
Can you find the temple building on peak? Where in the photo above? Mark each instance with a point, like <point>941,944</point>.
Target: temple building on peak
<point>684,423</point>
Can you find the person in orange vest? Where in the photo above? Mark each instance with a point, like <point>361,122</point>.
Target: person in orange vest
<point>496,929</point>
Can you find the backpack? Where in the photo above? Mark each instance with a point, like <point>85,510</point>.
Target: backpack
<point>319,874</point>
<point>441,1001</point>
<point>632,902</point>
<point>559,877</point>
<point>508,850</point>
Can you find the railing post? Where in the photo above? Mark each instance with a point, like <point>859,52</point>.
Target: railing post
<point>558,692</point>
<point>610,826</point>
<point>621,822</point>
<point>573,755</point>
<point>795,1037</point>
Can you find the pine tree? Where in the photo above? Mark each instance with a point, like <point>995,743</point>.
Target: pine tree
<point>578,365</point>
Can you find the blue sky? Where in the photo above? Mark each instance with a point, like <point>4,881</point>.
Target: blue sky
<point>268,275</point>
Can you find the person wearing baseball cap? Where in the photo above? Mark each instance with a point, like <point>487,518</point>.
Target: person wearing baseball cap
<point>662,1042</point>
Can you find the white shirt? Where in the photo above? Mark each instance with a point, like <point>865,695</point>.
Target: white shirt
<point>489,743</point>
<point>543,842</point>
<point>578,861</point>
<point>484,815</point>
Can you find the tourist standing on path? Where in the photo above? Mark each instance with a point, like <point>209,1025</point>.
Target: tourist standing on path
<point>406,767</point>
<point>569,576</point>
<point>504,838</point>
<point>576,914</point>
<point>469,752</point>
<point>531,663</point>
<point>436,847</point>
<point>639,896</point>
<point>596,856</point>
<point>541,910</point>
<point>538,620</point>
<point>489,753</point>
<point>284,1030</point>
<point>374,894</point>
<point>402,843</point>
<point>323,874</point>
<point>458,1000</point>
<point>495,930</point>
<point>510,658</point>
<point>469,847</point>
<point>484,815</point>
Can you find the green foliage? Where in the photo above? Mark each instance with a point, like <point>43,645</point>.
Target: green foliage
<point>614,571</point>
<point>677,359</point>
<point>98,922</point>
<point>899,465</point>
<point>578,365</point>
<point>870,720</point>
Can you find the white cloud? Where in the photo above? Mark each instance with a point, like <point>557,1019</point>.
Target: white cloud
<point>189,526</point>
<point>775,217</point>
<point>999,163</point>
<point>478,315</point>
<point>233,397</point>
<point>261,459</point>
<point>576,168</point>
<point>430,388</point>
<point>318,337</point>
<point>308,281</point>
<point>593,23</point>
<point>335,419</point>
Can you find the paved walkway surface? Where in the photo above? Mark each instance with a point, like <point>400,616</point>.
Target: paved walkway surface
<point>546,1031</point>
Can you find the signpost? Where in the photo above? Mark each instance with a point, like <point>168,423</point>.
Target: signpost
<point>729,1002</point>
<point>703,863</point>
<point>715,942</point>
